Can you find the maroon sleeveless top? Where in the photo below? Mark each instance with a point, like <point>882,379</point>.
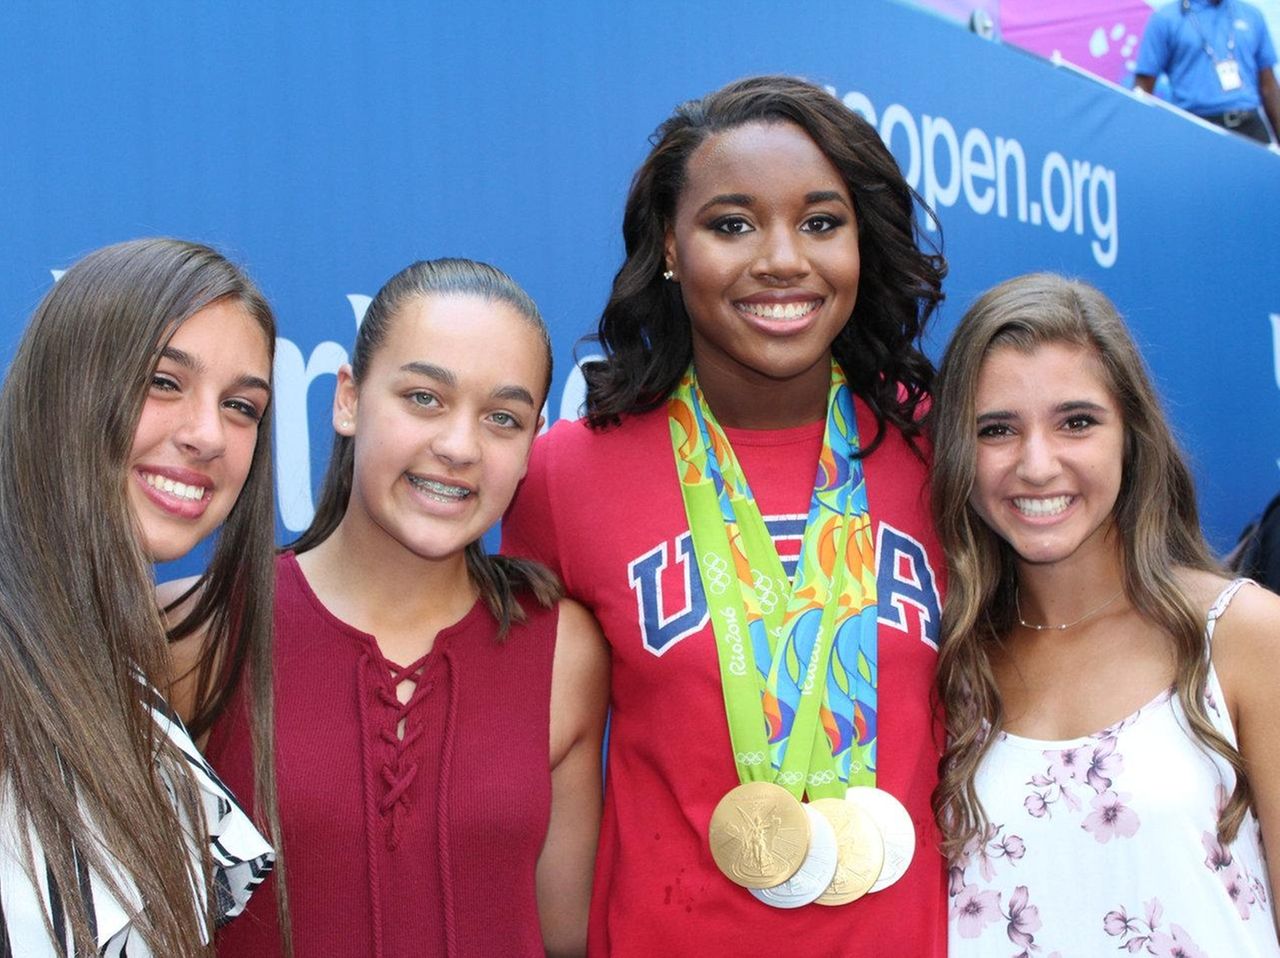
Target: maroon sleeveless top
<point>394,846</point>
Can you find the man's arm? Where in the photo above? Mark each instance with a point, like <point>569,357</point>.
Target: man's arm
<point>1269,92</point>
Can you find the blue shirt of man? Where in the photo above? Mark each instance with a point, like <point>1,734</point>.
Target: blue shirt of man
<point>1194,42</point>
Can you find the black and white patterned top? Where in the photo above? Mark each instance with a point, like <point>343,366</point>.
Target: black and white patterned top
<point>241,856</point>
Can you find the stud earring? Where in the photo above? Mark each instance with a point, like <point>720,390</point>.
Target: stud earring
<point>346,424</point>
<point>669,275</point>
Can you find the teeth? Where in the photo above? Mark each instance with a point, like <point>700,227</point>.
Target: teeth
<point>1043,507</point>
<point>780,310</point>
<point>179,489</point>
<point>439,490</point>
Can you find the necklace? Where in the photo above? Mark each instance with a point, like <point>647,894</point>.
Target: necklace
<point>1017,602</point>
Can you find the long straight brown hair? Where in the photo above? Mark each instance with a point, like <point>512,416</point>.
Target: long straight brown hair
<point>1155,516</point>
<point>79,625</point>
<point>497,578</point>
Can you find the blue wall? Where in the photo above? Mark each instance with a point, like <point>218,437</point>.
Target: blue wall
<point>325,145</point>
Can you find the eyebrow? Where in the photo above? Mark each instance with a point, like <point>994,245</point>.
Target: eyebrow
<point>746,199</point>
<point>447,378</point>
<point>1071,405</point>
<point>431,371</point>
<point>187,361</point>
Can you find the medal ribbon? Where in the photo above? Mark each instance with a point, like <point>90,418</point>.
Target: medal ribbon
<point>797,661</point>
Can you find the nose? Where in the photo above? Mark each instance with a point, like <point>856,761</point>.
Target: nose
<point>457,440</point>
<point>201,433</point>
<point>781,255</point>
<point>1037,458</point>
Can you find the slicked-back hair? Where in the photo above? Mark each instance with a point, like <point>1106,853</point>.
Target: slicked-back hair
<point>497,578</point>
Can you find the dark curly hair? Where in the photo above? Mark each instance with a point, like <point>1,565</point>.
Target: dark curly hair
<point>645,330</point>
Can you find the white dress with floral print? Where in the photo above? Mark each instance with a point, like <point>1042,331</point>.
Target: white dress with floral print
<point>1107,844</point>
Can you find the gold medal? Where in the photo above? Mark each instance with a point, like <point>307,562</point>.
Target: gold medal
<point>759,835</point>
<point>860,851</point>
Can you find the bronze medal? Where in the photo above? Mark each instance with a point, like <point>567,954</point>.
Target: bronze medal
<point>759,835</point>
<point>860,851</point>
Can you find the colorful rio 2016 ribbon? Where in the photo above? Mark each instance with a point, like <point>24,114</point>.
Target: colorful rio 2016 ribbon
<point>797,661</point>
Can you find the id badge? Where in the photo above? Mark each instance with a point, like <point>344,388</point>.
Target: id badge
<point>1229,75</point>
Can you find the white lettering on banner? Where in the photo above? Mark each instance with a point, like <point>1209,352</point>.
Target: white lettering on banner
<point>574,398</point>
<point>1076,195</point>
<point>1275,344</point>
<point>293,379</point>
<point>359,306</point>
<point>1275,350</point>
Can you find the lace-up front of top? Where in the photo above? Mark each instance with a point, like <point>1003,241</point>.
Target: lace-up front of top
<point>414,797</point>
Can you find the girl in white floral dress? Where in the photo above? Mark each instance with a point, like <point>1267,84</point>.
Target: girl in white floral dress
<point>1113,763</point>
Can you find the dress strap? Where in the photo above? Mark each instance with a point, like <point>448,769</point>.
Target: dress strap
<point>1214,698</point>
<point>1220,606</point>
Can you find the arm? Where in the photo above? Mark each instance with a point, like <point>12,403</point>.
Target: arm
<point>1246,650</point>
<point>1269,91</point>
<point>1153,55</point>
<point>579,696</point>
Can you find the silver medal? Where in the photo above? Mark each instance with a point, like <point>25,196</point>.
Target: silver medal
<point>815,873</point>
<point>896,828</point>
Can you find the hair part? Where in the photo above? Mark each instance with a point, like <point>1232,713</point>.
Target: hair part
<point>79,745</point>
<point>1155,516</point>
<point>497,578</point>
<point>645,329</point>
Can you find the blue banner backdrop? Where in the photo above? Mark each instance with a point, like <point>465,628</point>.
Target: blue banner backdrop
<point>325,145</point>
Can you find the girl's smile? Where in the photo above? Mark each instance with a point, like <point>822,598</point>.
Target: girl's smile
<point>443,419</point>
<point>1050,451</point>
<point>194,444</point>
<point>764,245</point>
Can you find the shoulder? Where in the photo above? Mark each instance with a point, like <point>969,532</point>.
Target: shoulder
<point>1165,16</point>
<point>1246,638</point>
<point>579,640</point>
<point>1252,12</point>
<point>580,669</point>
<point>570,436</point>
<point>1250,624</point>
<point>1162,22</point>
<point>581,658</point>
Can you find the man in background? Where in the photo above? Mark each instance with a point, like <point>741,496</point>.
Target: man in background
<point>1219,57</point>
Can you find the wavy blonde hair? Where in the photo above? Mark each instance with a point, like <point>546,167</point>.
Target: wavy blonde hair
<point>1155,517</point>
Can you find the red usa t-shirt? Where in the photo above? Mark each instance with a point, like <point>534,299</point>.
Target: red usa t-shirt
<point>604,510</point>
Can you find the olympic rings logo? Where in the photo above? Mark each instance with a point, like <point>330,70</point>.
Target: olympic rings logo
<point>825,777</point>
<point>716,574</point>
<point>790,778</point>
<point>765,594</point>
<point>750,758</point>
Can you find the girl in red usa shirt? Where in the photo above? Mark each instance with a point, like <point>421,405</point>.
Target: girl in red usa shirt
<point>744,509</point>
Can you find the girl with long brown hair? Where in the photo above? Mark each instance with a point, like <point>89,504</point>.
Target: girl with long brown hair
<point>134,422</point>
<point>1113,767</point>
<point>439,711</point>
